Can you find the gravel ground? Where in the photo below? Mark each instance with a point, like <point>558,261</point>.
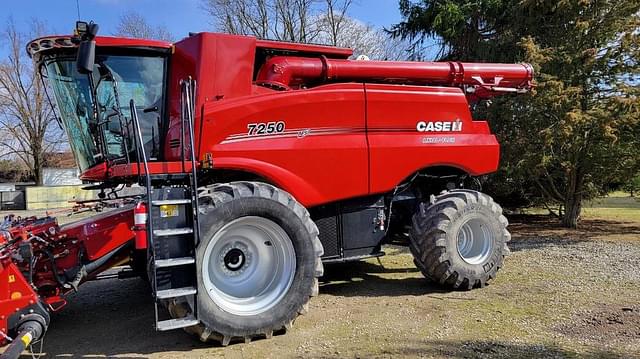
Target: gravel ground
<point>561,294</point>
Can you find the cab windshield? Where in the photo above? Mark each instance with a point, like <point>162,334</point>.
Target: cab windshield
<point>95,107</point>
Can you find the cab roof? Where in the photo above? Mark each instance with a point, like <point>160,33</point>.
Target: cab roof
<point>47,43</point>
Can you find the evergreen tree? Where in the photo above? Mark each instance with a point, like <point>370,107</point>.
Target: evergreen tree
<point>581,128</point>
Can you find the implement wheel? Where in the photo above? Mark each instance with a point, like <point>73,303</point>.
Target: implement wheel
<point>258,262</point>
<point>460,239</point>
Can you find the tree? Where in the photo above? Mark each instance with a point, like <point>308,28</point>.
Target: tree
<point>284,20</point>
<point>363,39</point>
<point>307,21</point>
<point>132,24</point>
<point>12,171</point>
<point>465,30</point>
<point>579,132</point>
<point>633,185</point>
<point>27,122</point>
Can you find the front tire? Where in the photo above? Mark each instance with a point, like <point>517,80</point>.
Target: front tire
<point>258,262</point>
<point>460,239</point>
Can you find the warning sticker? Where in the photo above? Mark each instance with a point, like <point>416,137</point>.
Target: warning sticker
<point>168,210</point>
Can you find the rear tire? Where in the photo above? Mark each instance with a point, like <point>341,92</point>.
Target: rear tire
<point>248,229</point>
<point>460,239</point>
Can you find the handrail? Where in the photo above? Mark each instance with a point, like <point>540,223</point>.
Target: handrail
<point>140,149</point>
<point>183,116</point>
<point>140,143</point>
<point>188,90</point>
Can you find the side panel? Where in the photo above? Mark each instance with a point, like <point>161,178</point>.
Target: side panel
<point>351,228</point>
<point>410,128</point>
<point>222,66</point>
<point>15,294</point>
<point>104,232</point>
<point>311,143</point>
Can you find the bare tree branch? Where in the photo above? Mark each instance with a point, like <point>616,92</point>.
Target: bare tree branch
<point>317,21</point>
<point>132,24</point>
<point>27,132</point>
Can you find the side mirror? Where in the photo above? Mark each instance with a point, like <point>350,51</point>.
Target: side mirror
<point>86,56</point>
<point>87,48</point>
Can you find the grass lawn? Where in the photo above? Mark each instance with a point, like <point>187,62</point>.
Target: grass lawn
<point>617,206</point>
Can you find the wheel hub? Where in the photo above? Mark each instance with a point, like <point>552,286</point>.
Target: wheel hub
<point>475,241</point>
<point>234,259</point>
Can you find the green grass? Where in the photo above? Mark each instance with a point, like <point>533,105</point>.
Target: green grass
<point>617,206</point>
<point>614,214</point>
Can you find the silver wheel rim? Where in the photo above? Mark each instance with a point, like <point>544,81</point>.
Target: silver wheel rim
<point>475,241</point>
<point>248,266</point>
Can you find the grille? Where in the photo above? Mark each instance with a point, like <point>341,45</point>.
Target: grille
<point>328,228</point>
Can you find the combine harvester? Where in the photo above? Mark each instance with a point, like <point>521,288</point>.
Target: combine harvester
<point>261,161</point>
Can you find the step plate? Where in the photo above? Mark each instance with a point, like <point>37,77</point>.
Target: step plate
<point>164,202</point>
<point>176,292</point>
<point>172,232</point>
<point>170,324</point>
<point>173,262</point>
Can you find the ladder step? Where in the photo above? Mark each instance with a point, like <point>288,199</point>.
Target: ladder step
<point>172,232</point>
<point>163,202</point>
<point>173,262</point>
<point>175,292</point>
<point>176,323</point>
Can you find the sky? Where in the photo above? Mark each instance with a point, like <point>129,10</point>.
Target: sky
<point>179,16</point>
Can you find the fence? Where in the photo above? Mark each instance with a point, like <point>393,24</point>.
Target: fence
<point>56,196</point>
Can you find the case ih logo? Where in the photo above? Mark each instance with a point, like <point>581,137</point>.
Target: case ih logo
<point>439,126</point>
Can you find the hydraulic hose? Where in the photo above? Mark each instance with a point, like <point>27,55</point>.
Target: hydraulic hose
<point>30,331</point>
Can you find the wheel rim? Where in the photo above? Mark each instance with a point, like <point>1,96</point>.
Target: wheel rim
<point>248,266</point>
<point>474,241</point>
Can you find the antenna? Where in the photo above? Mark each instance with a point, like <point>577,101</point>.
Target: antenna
<point>78,9</point>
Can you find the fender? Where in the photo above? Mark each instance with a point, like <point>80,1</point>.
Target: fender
<point>278,176</point>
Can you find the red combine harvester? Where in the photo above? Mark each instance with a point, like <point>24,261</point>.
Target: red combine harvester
<point>284,156</point>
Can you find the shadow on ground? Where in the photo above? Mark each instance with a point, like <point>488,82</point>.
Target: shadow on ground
<point>364,279</point>
<point>109,318</point>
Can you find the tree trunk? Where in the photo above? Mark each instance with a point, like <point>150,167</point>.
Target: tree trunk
<point>572,209</point>
<point>37,170</point>
<point>573,199</point>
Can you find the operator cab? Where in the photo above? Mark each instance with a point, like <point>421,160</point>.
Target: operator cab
<point>93,98</point>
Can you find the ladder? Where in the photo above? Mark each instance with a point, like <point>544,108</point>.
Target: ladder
<point>172,226</point>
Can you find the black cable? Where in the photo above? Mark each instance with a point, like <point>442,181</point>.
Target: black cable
<point>54,268</point>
